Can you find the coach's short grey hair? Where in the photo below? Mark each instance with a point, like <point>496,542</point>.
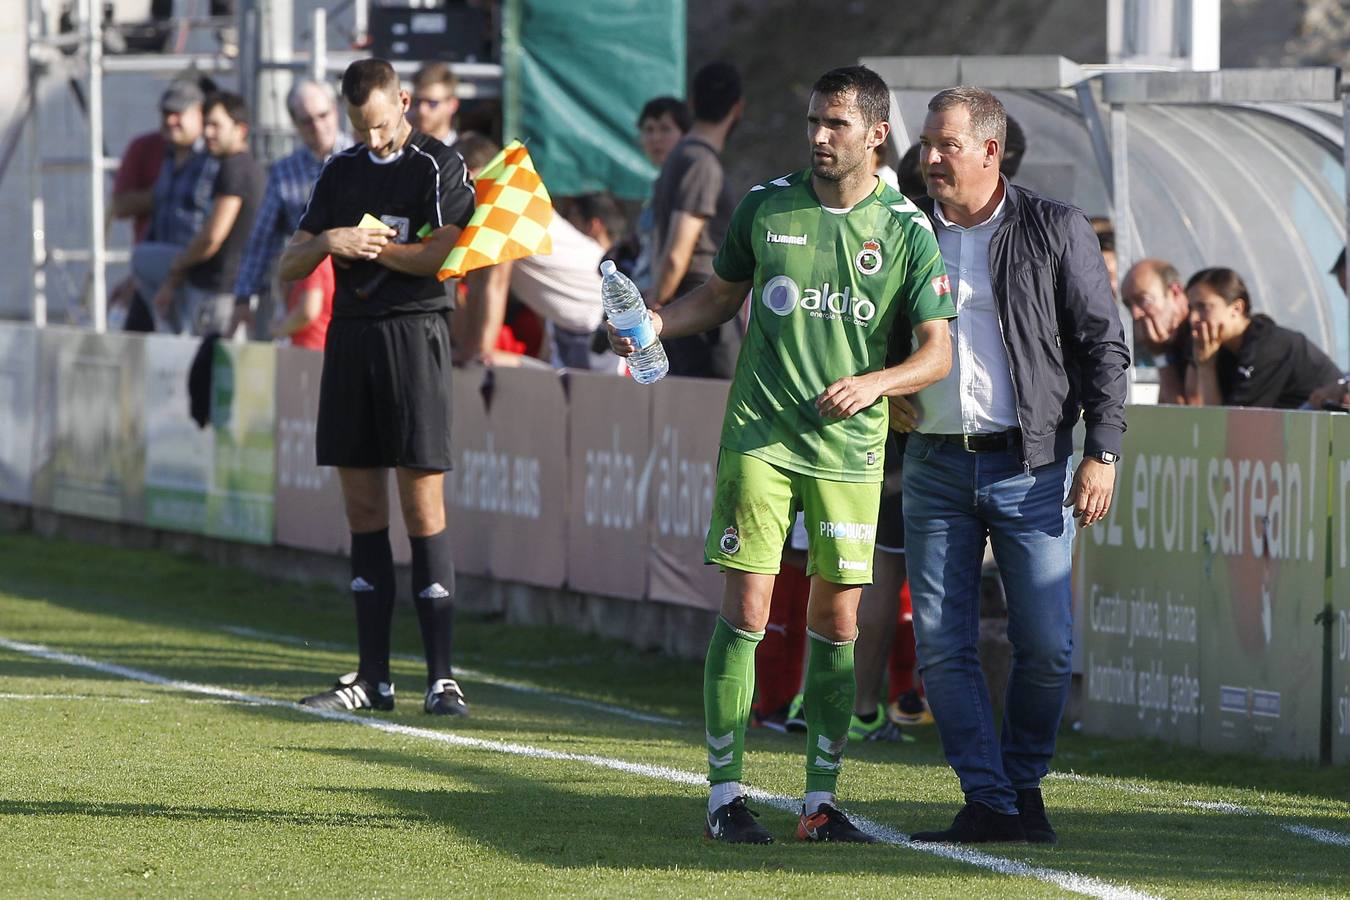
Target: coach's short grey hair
<point>988,118</point>
<point>301,84</point>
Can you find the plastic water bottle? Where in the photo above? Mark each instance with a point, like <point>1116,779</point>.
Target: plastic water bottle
<point>625,309</point>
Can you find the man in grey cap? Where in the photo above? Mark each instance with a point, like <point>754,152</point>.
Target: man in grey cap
<point>182,194</point>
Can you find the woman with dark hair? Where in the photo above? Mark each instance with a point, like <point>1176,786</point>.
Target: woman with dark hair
<point>1245,359</point>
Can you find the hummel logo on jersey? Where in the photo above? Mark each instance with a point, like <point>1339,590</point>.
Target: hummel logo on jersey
<point>848,565</point>
<point>798,239</point>
<point>1246,371</point>
<point>434,592</point>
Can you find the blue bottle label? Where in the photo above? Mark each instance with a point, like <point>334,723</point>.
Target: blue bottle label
<point>643,335</point>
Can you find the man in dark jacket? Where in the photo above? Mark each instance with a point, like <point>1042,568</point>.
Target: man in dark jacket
<point>1037,344</point>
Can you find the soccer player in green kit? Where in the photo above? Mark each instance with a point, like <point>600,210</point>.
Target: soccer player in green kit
<point>835,262</point>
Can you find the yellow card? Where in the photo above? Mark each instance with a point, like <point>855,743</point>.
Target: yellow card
<point>369,221</point>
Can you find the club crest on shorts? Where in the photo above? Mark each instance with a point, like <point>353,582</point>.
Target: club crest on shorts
<point>730,541</point>
<point>868,259</point>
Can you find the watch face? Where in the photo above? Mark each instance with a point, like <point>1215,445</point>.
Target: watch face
<point>1108,457</point>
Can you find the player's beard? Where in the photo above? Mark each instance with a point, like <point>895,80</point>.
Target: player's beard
<point>844,166</point>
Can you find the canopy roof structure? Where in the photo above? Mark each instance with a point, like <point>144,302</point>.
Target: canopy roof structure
<point>1240,168</point>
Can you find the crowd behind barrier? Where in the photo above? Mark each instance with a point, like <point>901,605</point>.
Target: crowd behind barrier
<point>1196,599</point>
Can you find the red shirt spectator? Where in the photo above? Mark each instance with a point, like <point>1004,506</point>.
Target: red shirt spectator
<point>137,173</point>
<point>309,303</point>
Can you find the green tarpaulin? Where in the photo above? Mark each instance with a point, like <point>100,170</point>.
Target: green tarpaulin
<point>576,75</point>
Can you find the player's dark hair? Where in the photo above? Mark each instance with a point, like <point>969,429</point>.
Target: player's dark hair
<point>476,150</point>
<point>870,93</point>
<point>674,107</point>
<point>233,104</point>
<point>909,176</point>
<point>1014,149</point>
<point>366,76</point>
<point>602,206</point>
<point>1226,283</point>
<point>717,87</point>
<point>1106,233</point>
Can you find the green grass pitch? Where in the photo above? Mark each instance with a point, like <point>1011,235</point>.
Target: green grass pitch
<point>167,777</point>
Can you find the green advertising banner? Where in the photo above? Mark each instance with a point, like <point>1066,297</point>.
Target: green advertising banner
<point>576,75</point>
<point>1339,588</point>
<point>241,503</point>
<point>1201,587</point>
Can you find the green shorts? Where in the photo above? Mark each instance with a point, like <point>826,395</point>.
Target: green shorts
<point>756,503</point>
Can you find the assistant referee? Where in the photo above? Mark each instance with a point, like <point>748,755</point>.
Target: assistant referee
<point>384,400</point>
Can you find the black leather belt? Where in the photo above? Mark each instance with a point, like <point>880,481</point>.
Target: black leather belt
<point>982,443</point>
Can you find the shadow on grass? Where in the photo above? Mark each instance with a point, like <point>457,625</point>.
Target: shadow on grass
<point>203,813</point>
<point>1153,760</point>
<point>574,823</point>
<point>157,589</point>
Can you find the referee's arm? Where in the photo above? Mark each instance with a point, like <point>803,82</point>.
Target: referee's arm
<point>422,258</point>
<point>306,249</point>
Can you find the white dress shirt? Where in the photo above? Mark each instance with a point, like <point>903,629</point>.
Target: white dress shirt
<point>977,395</point>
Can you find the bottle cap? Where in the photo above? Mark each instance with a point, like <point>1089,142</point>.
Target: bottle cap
<point>607,268</point>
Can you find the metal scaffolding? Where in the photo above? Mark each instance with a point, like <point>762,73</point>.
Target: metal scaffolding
<point>267,61</point>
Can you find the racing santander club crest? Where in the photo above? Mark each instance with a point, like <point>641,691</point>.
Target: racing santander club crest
<point>868,259</point>
<point>730,542</point>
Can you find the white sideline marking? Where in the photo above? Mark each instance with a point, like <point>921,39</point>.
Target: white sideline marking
<point>1069,881</point>
<point>1233,809</point>
<point>106,699</point>
<point>74,697</point>
<point>1321,835</point>
<point>506,684</point>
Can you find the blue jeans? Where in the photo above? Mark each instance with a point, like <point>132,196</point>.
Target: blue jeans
<point>953,501</point>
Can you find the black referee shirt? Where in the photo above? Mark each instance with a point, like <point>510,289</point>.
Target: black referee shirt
<point>424,184</point>
<point>1274,368</point>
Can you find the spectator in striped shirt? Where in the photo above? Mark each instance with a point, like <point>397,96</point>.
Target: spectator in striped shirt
<point>313,109</point>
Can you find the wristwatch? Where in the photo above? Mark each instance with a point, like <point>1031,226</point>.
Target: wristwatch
<point>1106,456</point>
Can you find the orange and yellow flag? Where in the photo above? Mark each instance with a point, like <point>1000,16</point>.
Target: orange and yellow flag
<point>510,218</point>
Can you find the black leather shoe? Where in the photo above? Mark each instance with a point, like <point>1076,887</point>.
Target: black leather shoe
<point>1031,813</point>
<point>976,824</point>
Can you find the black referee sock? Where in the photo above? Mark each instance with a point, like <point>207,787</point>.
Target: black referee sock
<point>373,593</point>
<point>433,578</point>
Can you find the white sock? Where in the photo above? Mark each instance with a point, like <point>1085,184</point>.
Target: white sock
<point>722,794</point>
<point>815,799</point>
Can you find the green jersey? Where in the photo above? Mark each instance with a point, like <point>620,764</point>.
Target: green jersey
<point>829,289</point>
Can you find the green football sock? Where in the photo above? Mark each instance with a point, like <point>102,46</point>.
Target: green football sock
<point>728,685</point>
<point>829,709</point>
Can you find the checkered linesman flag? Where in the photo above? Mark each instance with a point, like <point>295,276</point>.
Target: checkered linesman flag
<point>510,218</point>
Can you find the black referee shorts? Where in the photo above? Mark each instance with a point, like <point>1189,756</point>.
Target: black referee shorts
<point>891,515</point>
<point>384,399</point>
